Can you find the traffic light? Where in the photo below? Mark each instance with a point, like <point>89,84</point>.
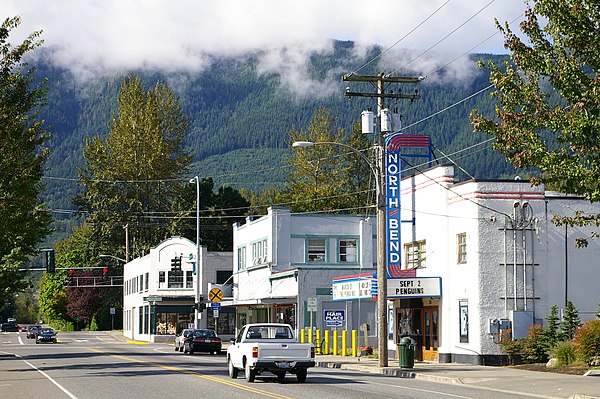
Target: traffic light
<point>201,306</point>
<point>69,279</point>
<point>50,266</point>
<point>176,264</point>
<point>104,273</point>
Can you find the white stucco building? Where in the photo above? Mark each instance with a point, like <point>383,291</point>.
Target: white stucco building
<point>486,250</point>
<point>158,302</point>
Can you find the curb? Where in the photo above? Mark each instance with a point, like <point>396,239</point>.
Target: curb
<point>368,369</point>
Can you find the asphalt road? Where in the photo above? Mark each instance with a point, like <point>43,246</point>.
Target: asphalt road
<point>96,365</point>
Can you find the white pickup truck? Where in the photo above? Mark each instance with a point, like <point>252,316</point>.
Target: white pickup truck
<point>269,347</point>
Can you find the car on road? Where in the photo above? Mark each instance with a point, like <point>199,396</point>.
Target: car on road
<point>46,334</point>
<point>22,328</point>
<point>203,341</point>
<point>32,330</point>
<point>9,327</point>
<point>181,338</point>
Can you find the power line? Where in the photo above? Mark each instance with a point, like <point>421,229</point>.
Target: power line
<point>401,39</point>
<point>443,38</point>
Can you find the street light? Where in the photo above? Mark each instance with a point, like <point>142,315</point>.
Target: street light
<point>198,263</point>
<point>377,169</point>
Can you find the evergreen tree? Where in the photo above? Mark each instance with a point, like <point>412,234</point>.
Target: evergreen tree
<point>570,321</point>
<point>23,220</point>
<point>552,330</point>
<point>548,115</point>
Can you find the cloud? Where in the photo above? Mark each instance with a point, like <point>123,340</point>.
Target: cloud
<point>92,37</point>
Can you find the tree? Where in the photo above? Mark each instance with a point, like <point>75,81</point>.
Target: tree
<point>328,177</point>
<point>548,116</point>
<point>570,321</point>
<point>133,177</point>
<point>552,330</point>
<point>23,220</point>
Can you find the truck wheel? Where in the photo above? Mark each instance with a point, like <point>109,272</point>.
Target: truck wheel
<point>301,375</point>
<point>233,372</point>
<point>280,375</point>
<point>176,348</point>
<point>249,373</point>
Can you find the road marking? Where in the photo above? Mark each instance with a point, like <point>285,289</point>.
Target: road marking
<point>224,381</point>
<point>52,380</point>
<point>20,340</point>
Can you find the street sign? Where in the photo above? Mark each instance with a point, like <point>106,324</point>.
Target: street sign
<point>417,287</point>
<point>311,304</point>
<point>334,317</point>
<point>215,295</point>
<point>215,305</point>
<point>216,313</point>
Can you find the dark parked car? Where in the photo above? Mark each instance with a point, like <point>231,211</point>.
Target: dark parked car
<point>203,341</point>
<point>181,338</point>
<point>32,330</point>
<point>12,327</point>
<point>46,335</point>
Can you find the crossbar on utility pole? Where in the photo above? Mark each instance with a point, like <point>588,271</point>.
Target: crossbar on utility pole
<point>381,95</point>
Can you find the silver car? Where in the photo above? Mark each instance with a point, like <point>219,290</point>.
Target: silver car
<point>180,339</point>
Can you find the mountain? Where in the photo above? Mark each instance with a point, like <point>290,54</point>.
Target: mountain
<point>241,114</point>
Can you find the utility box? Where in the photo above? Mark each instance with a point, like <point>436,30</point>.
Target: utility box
<point>368,122</point>
<point>521,321</point>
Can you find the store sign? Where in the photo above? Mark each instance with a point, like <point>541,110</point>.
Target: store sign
<point>393,177</point>
<point>359,287</point>
<point>334,318</point>
<point>417,287</point>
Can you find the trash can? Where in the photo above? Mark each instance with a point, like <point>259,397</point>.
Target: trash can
<point>406,352</point>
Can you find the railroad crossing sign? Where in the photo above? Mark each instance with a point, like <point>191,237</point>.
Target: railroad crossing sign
<point>215,295</point>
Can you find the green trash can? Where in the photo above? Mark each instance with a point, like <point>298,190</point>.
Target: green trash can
<point>406,353</point>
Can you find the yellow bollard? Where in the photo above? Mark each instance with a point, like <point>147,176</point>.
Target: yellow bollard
<point>344,343</point>
<point>335,343</point>
<point>310,336</point>
<point>302,336</point>
<point>318,342</point>
<point>326,345</point>
<point>354,343</point>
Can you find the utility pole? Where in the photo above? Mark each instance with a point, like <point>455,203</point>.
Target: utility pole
<point>381,95</point>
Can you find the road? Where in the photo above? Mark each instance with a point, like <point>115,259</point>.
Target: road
<point>96,365</point>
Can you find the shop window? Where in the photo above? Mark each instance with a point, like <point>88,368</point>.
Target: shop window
<point>347,250</point>
<point>316,250</point>
<point>415,255</point>
<point>461,248</point>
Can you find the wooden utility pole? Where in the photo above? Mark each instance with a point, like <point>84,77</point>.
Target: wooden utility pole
<point>381,95</point>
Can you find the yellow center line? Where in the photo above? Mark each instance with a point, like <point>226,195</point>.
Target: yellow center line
<point>196,374</point>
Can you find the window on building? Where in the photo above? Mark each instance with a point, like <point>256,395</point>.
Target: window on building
<point>241,260</point>
<point>347,251</point>
<point>147,277</point>
<point>141,279</point>
<point>175,279</point>
<point>461,248</point>
<point>415,255</point>
<point>189,279</point>
<point>259,252</point>
<point>316,249</point>
<point>463,307</point>
<point>223,276</point>
<point>161,279</point>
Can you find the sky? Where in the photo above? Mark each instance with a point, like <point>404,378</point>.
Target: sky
<point>94,37</point>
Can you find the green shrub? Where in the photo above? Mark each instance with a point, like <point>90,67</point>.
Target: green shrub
<point>587,340</point>
<point>564,352</point>
<point>93,324</point>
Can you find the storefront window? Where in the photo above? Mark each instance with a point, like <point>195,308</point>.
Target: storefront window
<point>225,323</point>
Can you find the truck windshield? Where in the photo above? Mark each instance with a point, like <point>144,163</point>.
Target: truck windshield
<point>269,332</point>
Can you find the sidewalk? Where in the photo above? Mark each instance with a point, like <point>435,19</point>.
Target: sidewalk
<point>503,379</point>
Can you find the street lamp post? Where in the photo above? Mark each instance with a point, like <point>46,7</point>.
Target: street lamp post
<point>198,249</point>
<point>377,170</point>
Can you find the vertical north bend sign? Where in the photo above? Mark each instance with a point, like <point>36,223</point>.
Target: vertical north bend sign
<point>392,207</point>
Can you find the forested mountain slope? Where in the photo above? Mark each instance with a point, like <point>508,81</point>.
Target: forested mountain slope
<point>240,117</point>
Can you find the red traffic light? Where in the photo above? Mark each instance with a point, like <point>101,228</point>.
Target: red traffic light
<point>71,272</point>
<point>105,270</point>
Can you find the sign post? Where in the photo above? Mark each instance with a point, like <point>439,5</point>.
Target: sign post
<point>311,306</point>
